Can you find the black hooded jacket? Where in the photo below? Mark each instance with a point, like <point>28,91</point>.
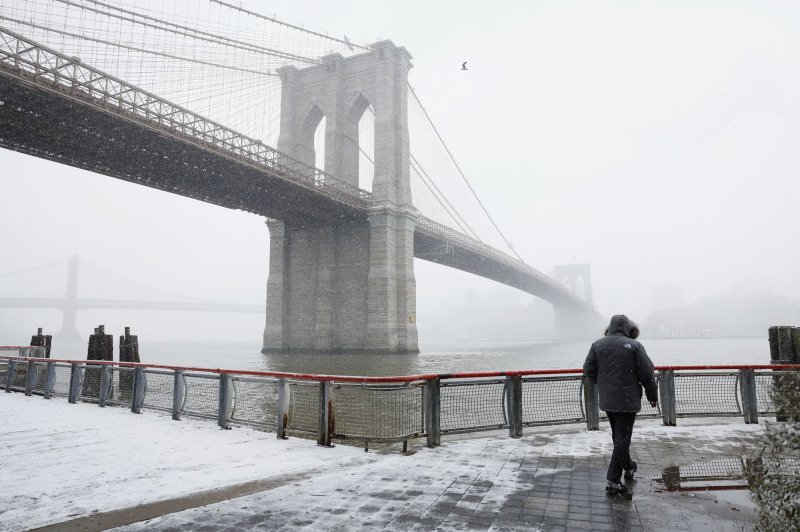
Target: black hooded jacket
<point>620,367</point>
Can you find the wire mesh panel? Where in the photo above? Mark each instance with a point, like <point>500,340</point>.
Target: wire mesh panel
<point>201,397</point>
<point>40,379</point>
<point>378,413</point>
<point>63,374</point>
<point>255,402</point>
<point>304,409</point>
<point>764,388</point>
<point>121,392</point>
<point>552,400</point>
<point>20,378</point>
<point>158,390</point>
<point>3,372</point>
<point>707,394</point>
<point>89,390</point>
<point>469,406</point>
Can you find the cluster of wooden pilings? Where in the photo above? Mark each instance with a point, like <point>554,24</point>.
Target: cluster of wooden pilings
<point>101,347</point>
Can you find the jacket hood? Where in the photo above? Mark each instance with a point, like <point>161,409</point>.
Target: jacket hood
<point>622,325</point>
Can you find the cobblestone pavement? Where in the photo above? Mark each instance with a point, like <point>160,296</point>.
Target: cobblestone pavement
<point>551,479</point>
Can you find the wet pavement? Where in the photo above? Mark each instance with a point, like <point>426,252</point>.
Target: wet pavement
<point>551,479</point>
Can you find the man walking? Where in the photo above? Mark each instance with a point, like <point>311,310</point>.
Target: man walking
<point>620,367</point>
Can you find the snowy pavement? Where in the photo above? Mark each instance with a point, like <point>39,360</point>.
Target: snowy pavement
<point>80,467</point>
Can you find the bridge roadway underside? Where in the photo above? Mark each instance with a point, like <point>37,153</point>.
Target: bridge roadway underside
<point>433,249</point>
<point>51,125</point>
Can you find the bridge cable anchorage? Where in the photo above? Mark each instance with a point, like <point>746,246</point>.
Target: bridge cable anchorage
<point>184,30</point>
<point>136,49</point>
<point>344,41</point>
<point>461,172</point>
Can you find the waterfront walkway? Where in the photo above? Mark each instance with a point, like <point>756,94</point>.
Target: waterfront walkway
<point>80,467</point>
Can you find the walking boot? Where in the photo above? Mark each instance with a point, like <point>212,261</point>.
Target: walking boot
<point>629,472</point>
<point>615,488</point>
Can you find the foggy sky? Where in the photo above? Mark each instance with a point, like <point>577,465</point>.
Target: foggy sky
<point>657,141</point>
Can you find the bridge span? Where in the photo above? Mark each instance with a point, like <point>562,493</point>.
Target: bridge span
<point>341,270</point>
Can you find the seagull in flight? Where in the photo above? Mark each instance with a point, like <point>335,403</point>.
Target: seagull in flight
<point>464,66</point>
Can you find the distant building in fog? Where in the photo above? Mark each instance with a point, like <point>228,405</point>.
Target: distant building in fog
<point>666,297</point>
<point>724,316</point>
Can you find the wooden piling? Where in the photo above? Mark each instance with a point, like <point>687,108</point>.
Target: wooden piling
<point>128,352</point>
<point>101,347</point>
<point>40,340</point>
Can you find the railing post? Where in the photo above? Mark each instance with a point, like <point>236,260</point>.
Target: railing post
<point>75,382</point>
<point>284,397</point>
<point>12,371</point>
<point>49,379</point>
<point>432,404</point>
<point>326,419</point>
<point>591,404</point>
<point>32,377</point>
<point>105,386</point>
<point>225,401</point>
<point>514,405</point>
<point>747,389</point>
<point>666,391</point>
<point>139,387</point>
<point>178,392</point>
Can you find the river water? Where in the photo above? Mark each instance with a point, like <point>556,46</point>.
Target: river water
<point>442,357</point>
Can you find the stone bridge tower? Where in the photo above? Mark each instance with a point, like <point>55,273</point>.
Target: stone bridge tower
<point>573,323</point>
<point>349,286</point>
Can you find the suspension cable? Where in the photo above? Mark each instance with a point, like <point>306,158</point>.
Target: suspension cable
<point>136,49</point>
<point>34,268</point>
<point>276,21</point>
<point>462,173</point>
<point>184,30</point>
<point>452,211</point>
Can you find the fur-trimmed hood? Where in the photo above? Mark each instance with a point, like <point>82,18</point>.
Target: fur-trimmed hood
<point>622,325</point>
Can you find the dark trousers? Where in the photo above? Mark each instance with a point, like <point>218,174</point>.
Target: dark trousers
<point>621,432</point>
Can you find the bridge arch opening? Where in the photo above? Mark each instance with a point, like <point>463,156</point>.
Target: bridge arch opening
<point>366,149</point>
<point>319,144</point>
<point>361,142</point>
<point>310,147</point>
<point>579,287</point>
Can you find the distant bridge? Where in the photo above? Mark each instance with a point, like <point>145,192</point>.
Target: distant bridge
<point>70,304</point>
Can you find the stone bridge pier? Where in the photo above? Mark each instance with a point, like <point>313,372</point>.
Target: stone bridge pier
<point>347,286</point>
<point>574,323</point>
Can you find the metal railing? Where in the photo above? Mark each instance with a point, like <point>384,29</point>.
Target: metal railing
<point>386,409</point>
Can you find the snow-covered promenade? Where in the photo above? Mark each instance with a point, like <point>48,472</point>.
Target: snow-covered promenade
<point>80,467</point>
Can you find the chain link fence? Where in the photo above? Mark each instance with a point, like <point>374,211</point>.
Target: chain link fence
<point>390,409</point>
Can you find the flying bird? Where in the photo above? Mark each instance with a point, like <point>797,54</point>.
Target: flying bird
<point>464,66</point>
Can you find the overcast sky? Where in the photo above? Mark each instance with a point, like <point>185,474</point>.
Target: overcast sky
<point>657,141</point>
